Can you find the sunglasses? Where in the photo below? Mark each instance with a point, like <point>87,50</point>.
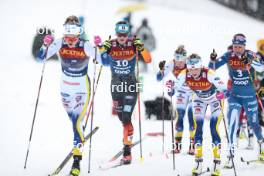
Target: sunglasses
<point>192,61</point>
<point>179,57</point>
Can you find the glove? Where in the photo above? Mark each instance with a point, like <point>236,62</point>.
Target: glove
<point>162,64</point>
<point>213,55</point>
<point>261,92</point>
<point>97,40</point>
<point>170,86</point>
<point>48,39</point>
<point>138,44</point>
<point>107,45</point>
<point>220,95</point>
<point>244,58</point>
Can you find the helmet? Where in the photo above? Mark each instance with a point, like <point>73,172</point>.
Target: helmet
<point>239,39</point>
<point>180,53</point>
<point>122,27</point>
<point>194,61</point>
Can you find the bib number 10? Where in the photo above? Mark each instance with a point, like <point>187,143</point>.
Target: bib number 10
<point>122,63</point>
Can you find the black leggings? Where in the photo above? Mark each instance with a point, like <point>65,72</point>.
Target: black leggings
<point>124,95</point>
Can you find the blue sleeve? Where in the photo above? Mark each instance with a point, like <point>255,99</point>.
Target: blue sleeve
<point>252,55</point>
<point>105,59</point>
<point>219,62</point>
<point>41,55</point>
<point>159,76</point>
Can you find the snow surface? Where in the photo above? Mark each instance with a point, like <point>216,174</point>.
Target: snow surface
<point>199,24</point>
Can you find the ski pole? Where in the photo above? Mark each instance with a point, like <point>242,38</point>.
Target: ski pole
<point>92,112</point>
<point>162,115</point>
<point>227,137</point>
<point>258,99</point>
<point>35,112</point>
<point>94,92</point>
<point>172,134</point>
<point>139,110</point>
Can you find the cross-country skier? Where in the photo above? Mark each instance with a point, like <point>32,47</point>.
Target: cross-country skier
<point>242,93</point>
<point>75,85</point>
<point>121,55</point>
<point>183,97</point>
<point>244,131</point>
<point>208,90</point>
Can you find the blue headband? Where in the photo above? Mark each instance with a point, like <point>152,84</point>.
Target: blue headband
<point>122,28</point>
<point>239,40</point>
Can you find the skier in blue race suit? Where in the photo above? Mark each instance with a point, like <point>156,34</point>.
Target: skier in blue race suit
<point>242,93</point>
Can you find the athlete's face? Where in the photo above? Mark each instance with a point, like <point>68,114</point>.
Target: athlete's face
<point>239,49</point>
<point>180,64</point>
<point>71,40</point>
<point>195,72</point>
<point>122,38</point>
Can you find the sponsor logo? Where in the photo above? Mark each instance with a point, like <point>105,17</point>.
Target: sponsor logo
<point>197,110</point>
<point>252,102</point>
<point>199,85</point>
<point>123,54</point>
<point>78,98</point>
<point>75,53</point>
<point>253,109</point>
<point>179,101</point>
<point>71,83</point>
<point>242,83</point>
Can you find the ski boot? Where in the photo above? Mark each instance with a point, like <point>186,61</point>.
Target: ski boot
<point>243,133</point>
<point>197,170</point>
<point>250,143</point>
<point>127,157</point>
<point>178,145</point>
<point>261,150</point>
<point>216,167</point>
<point>75,170</point>
<point>191,147</point>
<point>229,163</point>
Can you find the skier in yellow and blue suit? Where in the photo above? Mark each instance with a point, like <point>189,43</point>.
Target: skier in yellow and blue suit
<point>75,85</point>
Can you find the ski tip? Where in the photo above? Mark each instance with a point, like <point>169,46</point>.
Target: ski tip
<point>142,159</point>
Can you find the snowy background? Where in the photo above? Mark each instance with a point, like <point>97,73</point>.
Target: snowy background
<point>199,24</point>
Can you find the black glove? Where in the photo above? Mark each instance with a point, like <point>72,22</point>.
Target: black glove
<point>213,55</point>
<point>162,64</point>
<point>244,58</point>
